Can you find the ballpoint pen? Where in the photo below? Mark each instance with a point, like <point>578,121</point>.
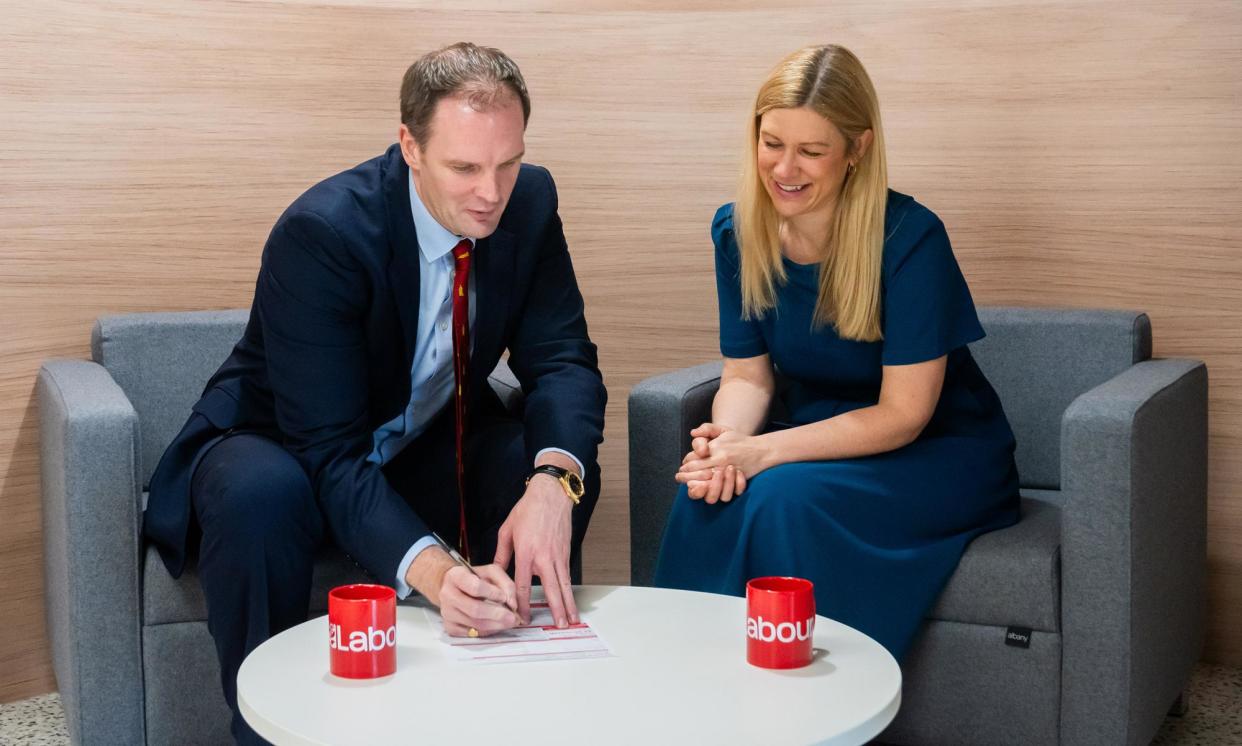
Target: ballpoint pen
<point>453,553</point>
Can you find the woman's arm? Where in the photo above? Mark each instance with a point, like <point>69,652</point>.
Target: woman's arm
<point>908,397</point>
<point>746,389</point>
<point>740,405</point>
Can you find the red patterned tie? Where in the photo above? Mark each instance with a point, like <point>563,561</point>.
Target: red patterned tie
<point>461,361</point>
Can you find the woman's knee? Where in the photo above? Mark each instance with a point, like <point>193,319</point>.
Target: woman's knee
<point>778,492</point>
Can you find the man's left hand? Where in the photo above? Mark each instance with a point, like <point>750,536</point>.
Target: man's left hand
<point>537,533</point>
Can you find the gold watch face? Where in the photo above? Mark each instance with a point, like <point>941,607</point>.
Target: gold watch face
<point>574,482</point>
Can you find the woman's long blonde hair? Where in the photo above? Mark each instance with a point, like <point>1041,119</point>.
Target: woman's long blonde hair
<point>832,82</point>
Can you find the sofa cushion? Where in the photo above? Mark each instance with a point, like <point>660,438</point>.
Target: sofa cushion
<point>184,701</point>
<point>1010,577</point>
<point>1040,360</point>
<point>162,361</point>
<point>963,686</point>
<point>165,600</point>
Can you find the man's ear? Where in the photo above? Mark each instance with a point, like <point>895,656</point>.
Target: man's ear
<point>409,148</point>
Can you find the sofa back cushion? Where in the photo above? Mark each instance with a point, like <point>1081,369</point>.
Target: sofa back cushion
<point>1041,359</point>
<point>162,362</point>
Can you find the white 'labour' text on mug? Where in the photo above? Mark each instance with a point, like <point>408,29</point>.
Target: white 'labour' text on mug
<point>362,642</point>
<point>765,631</point>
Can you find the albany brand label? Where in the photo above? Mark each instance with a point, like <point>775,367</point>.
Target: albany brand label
<point>1018,637</point>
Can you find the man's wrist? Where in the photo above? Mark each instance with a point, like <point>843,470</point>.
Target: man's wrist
<point>404,589</point>
<point>570,483</point>
<point>550,457</point>
<point>427,571</point>
<point>548,486</point>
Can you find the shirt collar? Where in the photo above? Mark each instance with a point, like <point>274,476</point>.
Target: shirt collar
<point>434,240</point>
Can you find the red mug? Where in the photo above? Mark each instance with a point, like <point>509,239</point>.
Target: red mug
<point>362,631</point>
<point>780,622</point>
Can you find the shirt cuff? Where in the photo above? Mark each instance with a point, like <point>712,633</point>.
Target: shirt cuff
<point>403,588</point>
<point>581,470</point>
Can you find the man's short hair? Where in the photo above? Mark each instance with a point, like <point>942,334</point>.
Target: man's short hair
<point>482,74</point>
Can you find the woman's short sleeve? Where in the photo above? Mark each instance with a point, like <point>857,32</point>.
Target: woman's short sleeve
<point>928,311</point>
<point>738,337</point>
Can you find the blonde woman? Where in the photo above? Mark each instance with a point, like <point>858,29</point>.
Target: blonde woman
<point>895,451</point>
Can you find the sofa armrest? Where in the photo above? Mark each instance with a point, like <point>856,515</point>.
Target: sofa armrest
<point>88,441</point>
<point>663,410</point>
<point>1134,475</point>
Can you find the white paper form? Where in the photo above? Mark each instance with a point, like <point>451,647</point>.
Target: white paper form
<point>538,641</point>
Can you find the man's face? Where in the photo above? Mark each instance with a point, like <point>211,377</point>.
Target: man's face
<point>467,170</point>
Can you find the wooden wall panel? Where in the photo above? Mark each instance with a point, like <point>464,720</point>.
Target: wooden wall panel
<point>1081,155</point>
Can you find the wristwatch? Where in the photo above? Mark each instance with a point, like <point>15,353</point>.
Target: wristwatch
<point>570,481</point>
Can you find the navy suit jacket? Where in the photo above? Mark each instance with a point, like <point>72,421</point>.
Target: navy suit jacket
<point>326,355</point>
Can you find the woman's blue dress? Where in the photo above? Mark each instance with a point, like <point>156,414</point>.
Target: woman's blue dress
<point>880,535</point>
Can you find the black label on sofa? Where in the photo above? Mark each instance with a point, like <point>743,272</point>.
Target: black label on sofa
<point>1019,637</point>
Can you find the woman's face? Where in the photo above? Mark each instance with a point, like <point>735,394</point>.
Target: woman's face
<point>802,160</point>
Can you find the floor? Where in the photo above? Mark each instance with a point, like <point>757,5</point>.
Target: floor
<point>1214,717</point>
<point>1215,714</point>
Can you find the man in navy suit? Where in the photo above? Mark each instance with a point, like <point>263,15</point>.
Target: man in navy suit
<point>356,408</point>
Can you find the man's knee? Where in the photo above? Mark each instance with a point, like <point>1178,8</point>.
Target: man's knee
<point>249,485</point>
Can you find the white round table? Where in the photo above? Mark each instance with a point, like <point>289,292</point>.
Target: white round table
<point>679,675</point>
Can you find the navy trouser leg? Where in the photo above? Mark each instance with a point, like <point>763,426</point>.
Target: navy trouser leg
<point>260,529</point>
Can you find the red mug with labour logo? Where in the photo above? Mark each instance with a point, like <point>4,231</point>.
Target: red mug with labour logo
<point>780,622</point>
<point>362,631</point>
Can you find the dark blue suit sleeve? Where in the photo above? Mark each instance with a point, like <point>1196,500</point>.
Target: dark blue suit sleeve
<point>552,356</point>
<point>310,299</point>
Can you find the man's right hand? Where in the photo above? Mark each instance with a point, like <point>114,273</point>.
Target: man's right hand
<point>486,601</point>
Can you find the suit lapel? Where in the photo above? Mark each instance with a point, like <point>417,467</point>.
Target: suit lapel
<point>403,263</point>
<point>494,265</point>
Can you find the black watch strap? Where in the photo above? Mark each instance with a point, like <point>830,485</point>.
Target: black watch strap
<point>555,471</point>
<point>564,476</point>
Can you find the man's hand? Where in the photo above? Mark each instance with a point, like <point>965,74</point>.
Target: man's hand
<point>487,602</point>
<point>484,600</point>
<point>537,534</point>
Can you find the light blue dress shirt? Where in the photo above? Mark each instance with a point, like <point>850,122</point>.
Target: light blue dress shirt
<point>431,374</point>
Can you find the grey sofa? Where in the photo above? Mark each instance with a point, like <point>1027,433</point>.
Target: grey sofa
<point>134,662</point>
<point>1106,567</point>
